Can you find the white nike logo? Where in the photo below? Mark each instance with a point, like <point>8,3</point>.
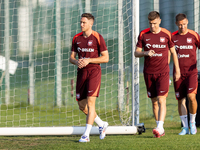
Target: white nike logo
<point>162,91</point>
<point>176,41</point>
<point>148,39</point>
<point>78,42</point>
<point>90,91</point>
<point>190,88</point>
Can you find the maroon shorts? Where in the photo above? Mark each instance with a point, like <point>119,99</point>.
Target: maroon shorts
<point>157,84</point>
<point>187,83</point>
<point>88,82</point>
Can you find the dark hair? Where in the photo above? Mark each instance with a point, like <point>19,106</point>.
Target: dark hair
<point>88,16</point>
<point>153,15</point>
<point>180,17</point>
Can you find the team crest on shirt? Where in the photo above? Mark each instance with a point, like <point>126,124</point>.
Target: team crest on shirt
<point>77,96</point>
<point>189,40</point>
<point>162,39</point>
<point>148,93</point>
<point>177,94</point>
<point>90,43</point>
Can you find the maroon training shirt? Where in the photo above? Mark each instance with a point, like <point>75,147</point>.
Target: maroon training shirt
<point>186,46</point>
<point>89,47</point>
<point>160,43</point>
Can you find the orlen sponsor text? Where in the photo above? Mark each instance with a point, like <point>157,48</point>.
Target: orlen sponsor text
<point>155,46</point>
<point>85,49</point>
<point>185,46</point>
<point>158,46</point>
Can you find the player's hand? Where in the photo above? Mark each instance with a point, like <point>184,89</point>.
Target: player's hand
<point>85,62</point>
<point>149,53</point>
<point>177,75</point>
<point>82,63</point>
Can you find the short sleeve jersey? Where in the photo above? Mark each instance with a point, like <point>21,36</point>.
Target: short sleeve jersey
<point>89,47</point>
<point>186,46</point>
<point>160,43</point>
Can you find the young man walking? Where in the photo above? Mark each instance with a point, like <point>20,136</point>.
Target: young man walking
<point>156,42</point>
<point>92,51</point>
<point>186,42</point>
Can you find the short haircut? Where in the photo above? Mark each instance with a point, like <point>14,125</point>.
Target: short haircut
<point>88,16</point>
<point>180,17</point>
<point>153,15</point>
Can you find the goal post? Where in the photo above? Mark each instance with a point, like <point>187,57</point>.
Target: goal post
<point>24,131</point>
<point>42,95</point>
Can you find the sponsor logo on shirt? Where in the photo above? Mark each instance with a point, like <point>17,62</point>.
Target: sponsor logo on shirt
<point>155,46</point>
<point>184,46</point>
<point>85,49</point>
<point>189,40</point>
<point>162,39</point>
<point>158,46</point>
<point>183,56</point>
<point>175,41</point>
<point>148,45</point>
<point>158,55</point>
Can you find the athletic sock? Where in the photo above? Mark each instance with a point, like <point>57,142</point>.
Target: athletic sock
<point>184,120</point>
<point>98,121</point>
<point>87,129</point>
<point>192,117</point>
<point>157,123</point>
<point>160,124</point>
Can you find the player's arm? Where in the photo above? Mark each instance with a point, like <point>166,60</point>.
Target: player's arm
<point>73,59</point>
<point>140,53</point>
<point>104,58</point>
<point>177,74</point>
<point>169,56</point>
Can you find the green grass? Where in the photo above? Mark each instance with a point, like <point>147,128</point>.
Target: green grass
<point>145,141</point>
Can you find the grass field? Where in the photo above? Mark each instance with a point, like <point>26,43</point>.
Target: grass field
<point>145,141</point>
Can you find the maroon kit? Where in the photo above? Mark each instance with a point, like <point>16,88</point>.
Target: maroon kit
<point>89,77</point>
<point>156,68</point>
<point>186,46</point>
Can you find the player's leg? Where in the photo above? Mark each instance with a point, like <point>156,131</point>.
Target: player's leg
<point>192,84</point>
<point>159,130</point>
<point>192,110</point>
<point>183,115</point>
<point>90,119</point>
<point>162,88</point>
<point>155,108</point>
<point>93,85</point>
<point>181,93</point>
<point>151,93</point>
<point>84,108</point>
<point>162,108</point>
<point>81,97</point>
